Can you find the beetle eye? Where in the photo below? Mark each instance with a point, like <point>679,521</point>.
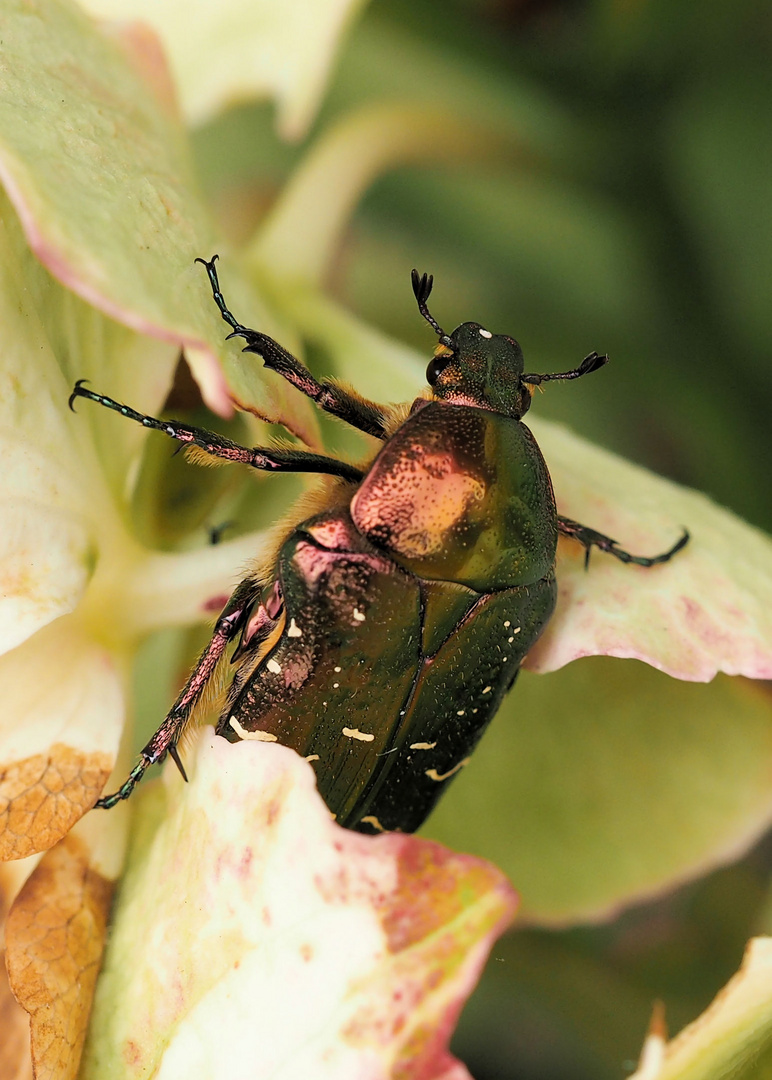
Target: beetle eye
<point>442,356</point>
<point>434,369</point>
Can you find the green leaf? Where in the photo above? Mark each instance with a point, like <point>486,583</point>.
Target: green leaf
<point>608,782</point>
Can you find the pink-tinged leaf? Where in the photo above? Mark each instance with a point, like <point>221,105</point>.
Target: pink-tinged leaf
<point>255,938</point>
<point>98,169</point>
<point>708,610</point>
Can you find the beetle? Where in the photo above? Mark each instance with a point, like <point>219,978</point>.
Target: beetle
<point>388,625</point>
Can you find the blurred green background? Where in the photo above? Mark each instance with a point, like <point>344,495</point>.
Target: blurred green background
<point>631,215</point>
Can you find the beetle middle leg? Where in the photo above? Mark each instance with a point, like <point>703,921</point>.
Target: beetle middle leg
<point>258,457</point>
<point>589,539</point>
<point>231,621</point>
<point>365,415</point>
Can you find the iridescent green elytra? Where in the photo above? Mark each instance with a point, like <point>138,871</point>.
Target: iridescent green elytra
<point>382,638</point>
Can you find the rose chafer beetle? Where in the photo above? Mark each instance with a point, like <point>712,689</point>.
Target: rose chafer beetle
<point>382,635</point>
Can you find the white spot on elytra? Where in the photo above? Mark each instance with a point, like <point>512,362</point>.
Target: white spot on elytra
<point>371,819</point>
<point>434,775</point>
<point>355,733</point>
<point>487,689</point>
<point>254,736</point>
<point>460,712</point>
<point>510,640</point>
<point>274,666</point>
<point>338,669</point>
<point>335,685</point>
<point>294,629</point>
<point>423,745</point>
<point>517,630</point>
<point>485,333</point>
<point>312,757</point>
<point>358,615</point>
<point>507,623</point>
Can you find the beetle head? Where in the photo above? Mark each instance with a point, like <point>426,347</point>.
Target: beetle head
<point>472,366</point>
<point>479,368</point>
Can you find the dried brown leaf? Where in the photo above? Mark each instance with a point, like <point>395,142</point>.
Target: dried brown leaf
<point>55,937</point>
<point>41,797</point>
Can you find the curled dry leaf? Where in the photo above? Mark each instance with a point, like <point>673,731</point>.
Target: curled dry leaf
<point>254,937</point>
<point>43,796</point>
<point>55,937</point>
<point>15,1060</point>
<point>63,712</point>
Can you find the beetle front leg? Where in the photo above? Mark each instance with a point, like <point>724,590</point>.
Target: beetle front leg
<point>364,415</point>
<point>231,622</point>
<point>589,538</point>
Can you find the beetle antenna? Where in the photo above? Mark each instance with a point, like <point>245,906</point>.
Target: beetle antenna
<point>422,287</point>
<point>590,363</point>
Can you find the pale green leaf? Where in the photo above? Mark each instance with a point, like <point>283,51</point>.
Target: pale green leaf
<point>97,166</point>
<point>237,50</point>
<point>732,1039</point>
<point>47,546</point>
<point>298,240</point>
<point>607,782</point>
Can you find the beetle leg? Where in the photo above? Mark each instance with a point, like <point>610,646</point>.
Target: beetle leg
<point>365,415</point>
<point>589,538</point>
<point>230,622</point>
<point>278,460</point>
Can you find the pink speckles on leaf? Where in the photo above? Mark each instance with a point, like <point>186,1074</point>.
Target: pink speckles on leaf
<point>324,953</point>
<point>708,610</point>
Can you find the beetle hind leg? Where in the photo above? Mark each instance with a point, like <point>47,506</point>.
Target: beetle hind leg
<point>229,624</point>
<point>589,539</point>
